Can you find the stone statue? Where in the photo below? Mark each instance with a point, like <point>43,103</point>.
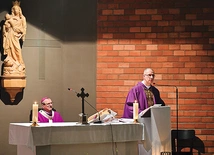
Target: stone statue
<point>14,31</point>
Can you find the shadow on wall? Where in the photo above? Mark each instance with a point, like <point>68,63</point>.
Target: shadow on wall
<point>65,19</point>
<point>5,97</point>
<point>185,142</point>
<point>44,16</point>
<point>198,145</point>
<point>189,146</point>
<point>68,21</point>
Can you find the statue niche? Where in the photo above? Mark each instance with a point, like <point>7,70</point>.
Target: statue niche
<point>13,32</point>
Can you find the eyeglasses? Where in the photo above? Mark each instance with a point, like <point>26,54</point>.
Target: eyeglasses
<point>150,75</point>
<point>48,103</point>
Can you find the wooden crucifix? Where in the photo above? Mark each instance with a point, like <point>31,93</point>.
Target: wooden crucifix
<point>83,95</point>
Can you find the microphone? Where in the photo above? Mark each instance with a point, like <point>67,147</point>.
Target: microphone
<point>164,85</point>
<point>176,88</point>
<point>99,121</point>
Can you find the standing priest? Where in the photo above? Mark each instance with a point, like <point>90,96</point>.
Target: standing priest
<point>144,93</point>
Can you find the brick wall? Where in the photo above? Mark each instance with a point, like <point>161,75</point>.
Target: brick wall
<point>176,39</point>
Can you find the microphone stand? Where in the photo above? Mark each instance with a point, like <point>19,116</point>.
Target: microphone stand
<point>176,91</point>
<point>96,122</point>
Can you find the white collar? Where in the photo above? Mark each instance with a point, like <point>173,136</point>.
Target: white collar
<point>46,115</point>
<point>146,85</point>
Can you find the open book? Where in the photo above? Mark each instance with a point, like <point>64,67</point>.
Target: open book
<point>147,112</point>
<point>104,115</point>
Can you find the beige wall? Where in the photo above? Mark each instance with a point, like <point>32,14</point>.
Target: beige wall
<point>59,52</point>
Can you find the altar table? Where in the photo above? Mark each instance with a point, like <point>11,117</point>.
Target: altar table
<point>151,136</point>
<point>70,138</point>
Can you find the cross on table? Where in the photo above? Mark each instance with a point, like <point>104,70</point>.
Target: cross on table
<point>83,95</point>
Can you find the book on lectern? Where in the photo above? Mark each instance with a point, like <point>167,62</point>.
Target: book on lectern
<point>147,112</point>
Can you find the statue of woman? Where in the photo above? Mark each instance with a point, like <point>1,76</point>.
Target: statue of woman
<point>14,30</point>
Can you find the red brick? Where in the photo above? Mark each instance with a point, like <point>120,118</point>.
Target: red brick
<point>134,17</point>
<point>107,47</point>
<point>112,18</point>
<point>156,17</point>
<point>102,18</point>
<point>185,34</point>
<point>113,6</point>
<point>112,29</point>
<point>140,23</point>
<point>123,53</point>
<point>140,11</point>
<point>174,11</point>
<point>124,41</point>
<point>102,6</point>
<point>135,41</point>
<point>134,29</point>
<point>110,35</point>
<point>210,77</point>
<point>146,41</point>
<point>175,40</point>
<point>145,29</point>
<point>118,12</point>
<point>135,53</point>
<point>123,29</point>
<point>197,22</point>
<point>107,12</point>
<point>118,47</point>
<point>151,23</point>
<point>124,5</point>
<point>191,16</point>
<point>151,11</point>
<point>129,47</point>
<point>140,35</point>
<point>162,35</point>
<point>168,29</point>
<point>185,47</point>
<point>176,53</point>
<point>151,47</point>
<point>113,41</point>
<point>179,29</point>
<point>198,47</point>
<point>196,34</point>
<point>185,22</point>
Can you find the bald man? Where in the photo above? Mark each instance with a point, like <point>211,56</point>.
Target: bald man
<point>144,93</point>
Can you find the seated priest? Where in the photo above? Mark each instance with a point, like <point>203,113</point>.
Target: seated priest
<point>47,114</point>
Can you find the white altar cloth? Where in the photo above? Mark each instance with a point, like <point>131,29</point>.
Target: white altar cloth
<point>61,136</point>
<point>149,137</point>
